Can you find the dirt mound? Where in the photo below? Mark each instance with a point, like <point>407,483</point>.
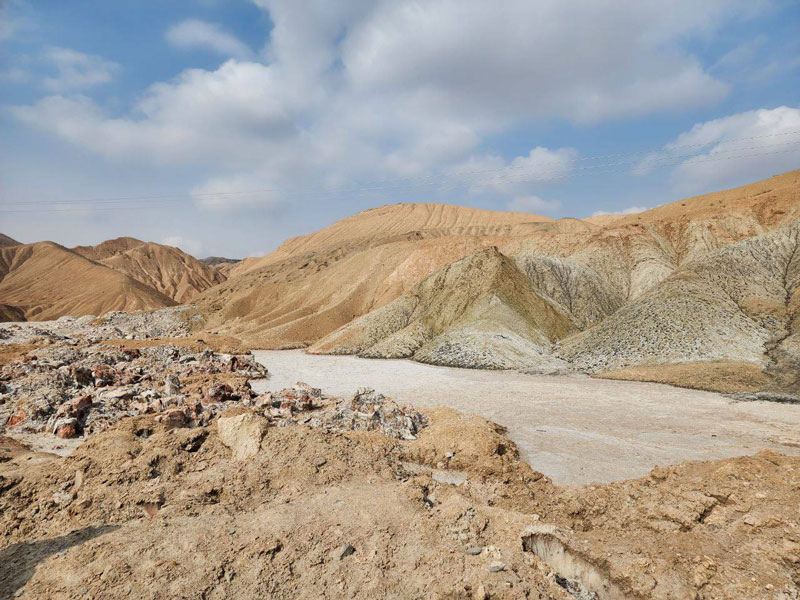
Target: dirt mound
<point>45,281</point>
<point>242,508</point>
<point>480,312</point>
<point>166,269</point>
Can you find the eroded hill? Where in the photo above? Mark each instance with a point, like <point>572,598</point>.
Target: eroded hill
<point>46,281</point>
<point>166,269</point>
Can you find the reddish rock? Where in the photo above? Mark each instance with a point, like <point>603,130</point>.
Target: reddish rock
<point>81,404</point>
<point>67,429</point>
<point>16,419</point>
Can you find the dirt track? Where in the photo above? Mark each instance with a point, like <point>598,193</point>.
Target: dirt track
<point>574,429</point>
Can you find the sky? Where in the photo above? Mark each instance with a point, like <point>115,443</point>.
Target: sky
<point>224,127</point>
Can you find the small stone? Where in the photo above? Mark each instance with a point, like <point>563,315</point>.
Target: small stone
<point>497,566</point>
<point>474,550</point>
<point>480,593</point>
<point>346,550</point>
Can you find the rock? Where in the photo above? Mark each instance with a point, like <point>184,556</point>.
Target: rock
<point>82,403</point>
<point>474,550</point>
<point>173,418</point>
<point>67,428</point>
<point>172,385</point>
<point>16,419</point>
<point>480,593</point>
<point>346,550</point>
<point>497,566</point>
<point>219,392</point>
<point>242,433</point>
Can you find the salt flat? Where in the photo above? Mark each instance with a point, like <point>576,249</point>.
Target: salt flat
<point>574,429</point>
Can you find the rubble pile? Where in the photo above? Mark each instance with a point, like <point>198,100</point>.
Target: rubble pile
<point>366,411</point>
<point>69,390</point>
<point>174,322</point>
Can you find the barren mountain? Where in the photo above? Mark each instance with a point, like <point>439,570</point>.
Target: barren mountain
<point>45,281</point>
<point>6,241</point>
<point>166,269</point>
<point>318,283</point>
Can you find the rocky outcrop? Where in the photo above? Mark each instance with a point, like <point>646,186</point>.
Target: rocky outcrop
<point>735,304</point>
<point>479,312</point>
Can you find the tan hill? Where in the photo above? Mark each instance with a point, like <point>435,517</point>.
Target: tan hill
<point>739,304</point>
<point>6,241</point>
<point>589,269</point>
<point>166,269</point>
<point>46,281</point>
<point>377,225</point>
<point>480,311</point>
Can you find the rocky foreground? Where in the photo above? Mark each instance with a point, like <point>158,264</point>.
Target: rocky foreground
<point>187,484</point>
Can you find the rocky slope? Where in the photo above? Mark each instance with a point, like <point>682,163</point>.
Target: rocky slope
<point>166,269</point>
<point>479,312</point>
<point>738,304</point>
<point>45,281</point>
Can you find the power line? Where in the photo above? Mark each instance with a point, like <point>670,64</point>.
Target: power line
<point>667,161</point>
<point>438,177</point>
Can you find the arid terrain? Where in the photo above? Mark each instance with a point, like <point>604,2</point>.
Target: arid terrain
<point>419,401</point>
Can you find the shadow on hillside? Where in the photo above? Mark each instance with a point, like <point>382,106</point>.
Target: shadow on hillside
<point>18,561</point>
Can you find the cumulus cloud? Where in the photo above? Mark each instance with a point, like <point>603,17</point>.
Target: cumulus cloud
<point>631,210</point>
<point>76,70</point>
<point>732,150</point>
<point>360,91</point>
<point>533,204</point>
<point>492,173</point>
<point>194,33</point>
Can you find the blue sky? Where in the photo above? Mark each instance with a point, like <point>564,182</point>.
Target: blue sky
<point>225,127</point>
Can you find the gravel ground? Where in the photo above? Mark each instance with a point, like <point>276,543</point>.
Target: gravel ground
<point>575,429</point>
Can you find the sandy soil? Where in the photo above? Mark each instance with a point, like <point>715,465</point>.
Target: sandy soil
<point>574,429</point>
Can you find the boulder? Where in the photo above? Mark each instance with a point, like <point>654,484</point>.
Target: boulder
<point>242,433</point>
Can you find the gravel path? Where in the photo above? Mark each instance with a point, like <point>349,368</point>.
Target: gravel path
<point>574,429</point>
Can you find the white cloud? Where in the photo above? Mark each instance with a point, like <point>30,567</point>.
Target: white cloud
<point>492,173</point>
<point>631,210</point>
<point>533,204</point>
<point>76,70</point>
<point>732,150</point>
<point>363,91</point>
<point>189,246</point>
<point>194,33</point>
<point>13,18</point>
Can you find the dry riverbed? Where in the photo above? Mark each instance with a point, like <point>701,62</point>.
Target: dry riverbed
<point>574,429</point>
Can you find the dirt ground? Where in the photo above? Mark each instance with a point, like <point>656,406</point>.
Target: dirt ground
<point>575,429</point>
